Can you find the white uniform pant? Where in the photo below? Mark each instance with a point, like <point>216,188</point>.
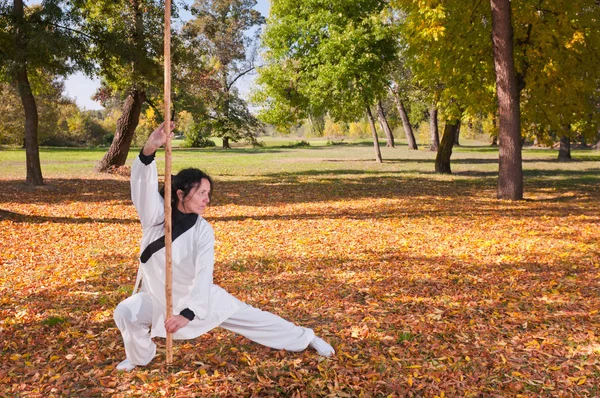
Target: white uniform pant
<point>133,317</point>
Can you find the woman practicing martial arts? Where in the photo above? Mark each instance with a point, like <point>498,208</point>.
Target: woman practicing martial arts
<point>199,304</point>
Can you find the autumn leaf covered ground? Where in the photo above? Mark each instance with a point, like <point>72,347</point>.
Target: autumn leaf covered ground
<point>426,285</point>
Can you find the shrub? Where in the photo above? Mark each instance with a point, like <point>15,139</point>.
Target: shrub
<point>298,144</point>
<point>198,137</point>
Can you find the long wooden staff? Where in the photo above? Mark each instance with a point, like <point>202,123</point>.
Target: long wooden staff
<point>168,221</point>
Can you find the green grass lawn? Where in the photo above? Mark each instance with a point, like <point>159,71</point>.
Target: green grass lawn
<point>474,161</point>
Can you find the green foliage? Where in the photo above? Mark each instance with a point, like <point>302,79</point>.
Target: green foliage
<point>447,49</point>
<point>359,129</point>
<point>52,46</point>
<point>221,27</point>
<point>12,116</point>
<point>61,123</point>
<point>324,56</point>
<point>298,144</point>
<point>198,136</point>
<point>448,53</point>
<point>334,129</point>
<point>237,123</point>
<point>557,56</point>
<point>128,41</point>
<point>184,122</point>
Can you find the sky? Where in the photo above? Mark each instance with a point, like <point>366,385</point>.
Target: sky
<point>81,88</point>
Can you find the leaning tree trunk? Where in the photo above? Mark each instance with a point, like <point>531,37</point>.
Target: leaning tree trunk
<point>510,176</point>
<point>126,125</point>
<point>32,149</point>
<point>385,126</point>
<point>410,137</point>
<point>442,160</point>
<point>378,158</point>
<point>564,151</point>
<point>434,129</point>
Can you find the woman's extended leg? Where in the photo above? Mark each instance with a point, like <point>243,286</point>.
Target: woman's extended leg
<point>273,331</point>
<point>133,317</point>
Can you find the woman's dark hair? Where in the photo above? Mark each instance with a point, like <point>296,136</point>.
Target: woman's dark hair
<point>186,180</point>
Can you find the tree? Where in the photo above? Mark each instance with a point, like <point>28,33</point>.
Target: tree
<point>564,151</point>
<point>331,57</point>
<point>446,49</point>
<point>433,128</point>
<point>12,130</point>
<point>283,103</point>
<point>384,125</point>
<point>442,159</point>
<point>555,59</point>
<point>510,177</point>
<point>37,40</point>
<point>221,26</point>
<point>410,136</point>
<point>401,83</point>
<point>128,52</point>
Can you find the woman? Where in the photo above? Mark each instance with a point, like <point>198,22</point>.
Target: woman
<point>199,304</point>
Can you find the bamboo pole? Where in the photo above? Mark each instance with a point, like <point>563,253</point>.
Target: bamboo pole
<point>168,210</point>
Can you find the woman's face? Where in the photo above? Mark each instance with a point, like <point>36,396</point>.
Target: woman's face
<point>196,200</point>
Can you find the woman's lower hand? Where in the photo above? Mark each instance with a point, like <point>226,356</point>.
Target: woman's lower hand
<point>175,323</point>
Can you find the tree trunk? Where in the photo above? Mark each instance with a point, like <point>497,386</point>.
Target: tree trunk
<point>132,107</point>
<point>410,137</point>
<point>510,176</point>
<point>442,160</point>
<point>385,126</point>
<point>378,158</point>
<point>226,104</point>
<point>456,141</point>
<point>126,125</point>
<point>316,126</point>
<point>495,132</point>
<point>434,129</point>
<point>32,149</point>
<point>564,151</point>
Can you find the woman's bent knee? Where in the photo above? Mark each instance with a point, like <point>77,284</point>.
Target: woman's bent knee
<point>122,313</point>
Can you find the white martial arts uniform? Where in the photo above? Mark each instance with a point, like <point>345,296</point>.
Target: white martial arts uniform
<point>142,316</point>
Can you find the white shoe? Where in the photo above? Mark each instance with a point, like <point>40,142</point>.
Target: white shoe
<point>322,347</point>
<point>126,366</point>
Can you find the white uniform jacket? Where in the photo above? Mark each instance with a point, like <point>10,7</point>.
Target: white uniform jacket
<point>193,262</point>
